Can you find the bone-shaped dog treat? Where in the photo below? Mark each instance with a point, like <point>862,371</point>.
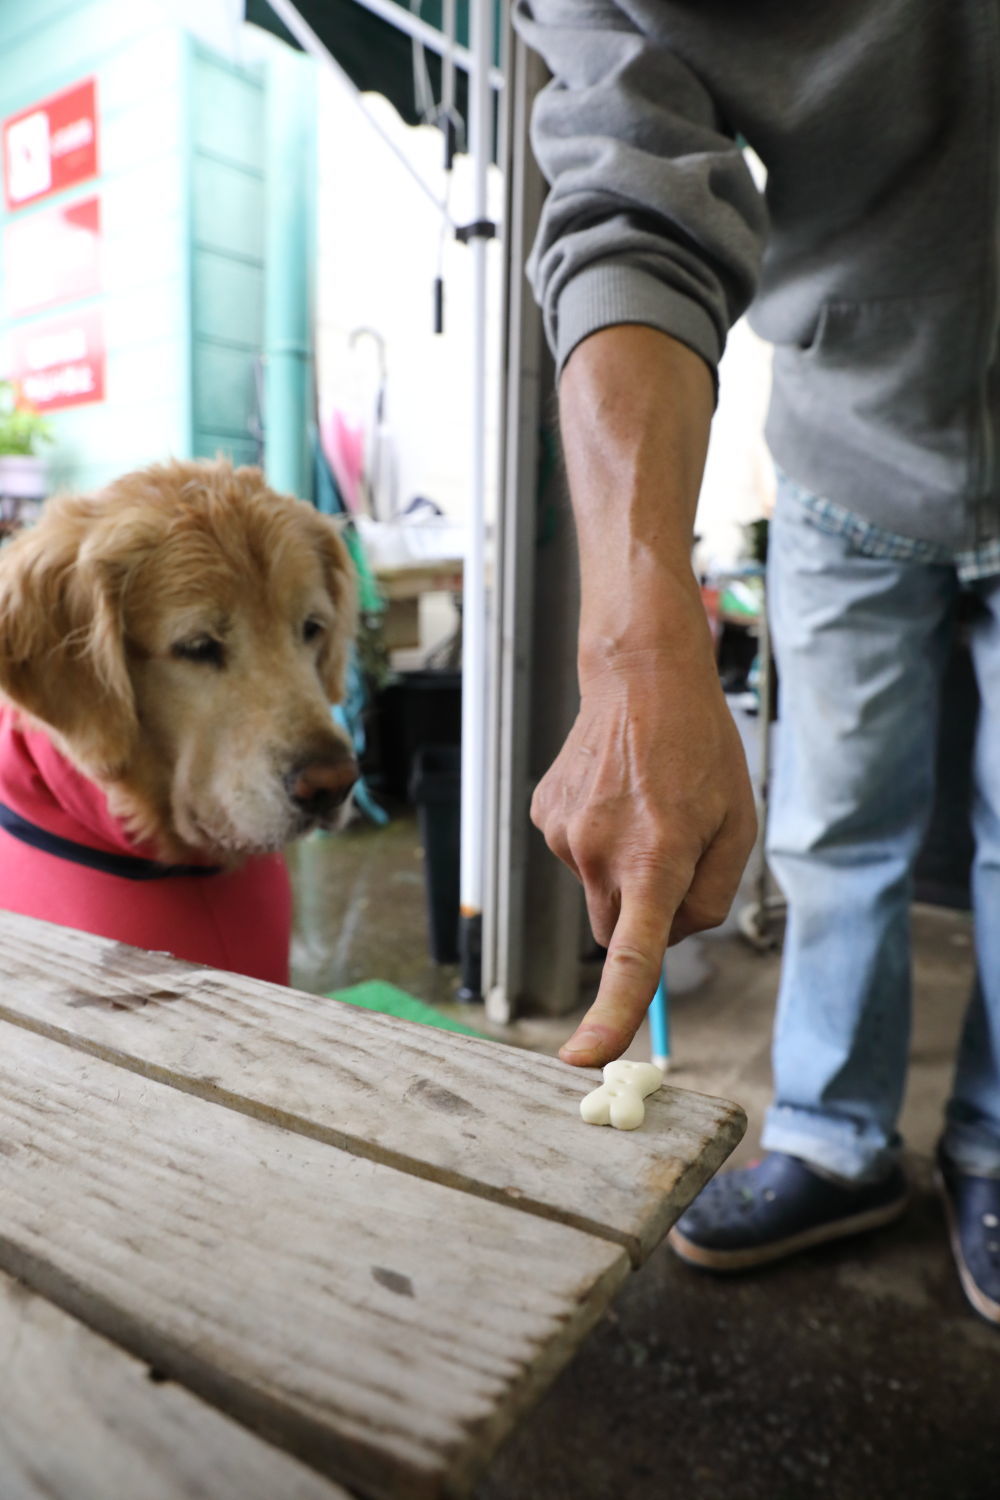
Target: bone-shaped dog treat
<point>618,1101</point>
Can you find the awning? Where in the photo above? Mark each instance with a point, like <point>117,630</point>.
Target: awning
<point>375,53</point>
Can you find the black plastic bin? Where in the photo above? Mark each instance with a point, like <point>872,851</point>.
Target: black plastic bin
<point>435,789</point>
<point>416,709</point>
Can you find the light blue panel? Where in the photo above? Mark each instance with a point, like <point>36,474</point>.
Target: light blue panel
<point>215,444</point>
<point>142,215</point>
<point>18,22</point>
<point>228,207</point>
<point>228,299</point>
<point>182,190</point>
<point>151,64</point>
<point>291,179</point>
<point>141,134</point>
<point>227,114</point>
<point>135,53</point>
<point>67,44</point>
<point>97,444</point>
<point>148,314</point>
<point>114,441</point>
<point>131,320</point>
<point>148,371</point>
<point>223,389</point>
<point>227,280</point>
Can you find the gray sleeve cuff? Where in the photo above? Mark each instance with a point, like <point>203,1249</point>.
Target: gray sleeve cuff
<point>602,295</point>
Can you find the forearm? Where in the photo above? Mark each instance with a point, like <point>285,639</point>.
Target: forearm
<point>648,802</point>
<point>635,410</point>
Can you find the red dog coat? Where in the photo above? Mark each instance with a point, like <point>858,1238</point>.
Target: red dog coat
<point>66,859</point>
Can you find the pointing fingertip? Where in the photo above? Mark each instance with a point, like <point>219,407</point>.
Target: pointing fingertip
<point>586,1048</point>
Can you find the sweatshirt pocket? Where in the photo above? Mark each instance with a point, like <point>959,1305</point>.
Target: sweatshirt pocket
<point>896,378</point>
<point>922,347</point>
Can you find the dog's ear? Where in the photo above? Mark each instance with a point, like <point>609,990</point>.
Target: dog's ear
<point>62,653</point>
<point>341,584</point>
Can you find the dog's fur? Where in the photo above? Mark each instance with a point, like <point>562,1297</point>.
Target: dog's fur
<point>180,636</point>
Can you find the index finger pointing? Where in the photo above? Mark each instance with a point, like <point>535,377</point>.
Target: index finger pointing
<point>628,982</point>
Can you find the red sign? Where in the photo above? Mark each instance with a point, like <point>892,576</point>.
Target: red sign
<point>51,145</point>
<point>60,364</point>
<point>52,256</point>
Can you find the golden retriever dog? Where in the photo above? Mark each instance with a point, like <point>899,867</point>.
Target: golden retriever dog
<point>170,648</point>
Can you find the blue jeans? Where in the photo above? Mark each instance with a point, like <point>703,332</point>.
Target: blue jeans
<point>861,644</point>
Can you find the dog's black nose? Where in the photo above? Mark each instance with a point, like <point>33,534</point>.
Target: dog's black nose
<point>322,783</point>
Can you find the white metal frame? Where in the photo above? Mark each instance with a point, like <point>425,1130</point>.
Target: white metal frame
<point>519,690</point>
<point>475,603</point>
<point>534,912</point>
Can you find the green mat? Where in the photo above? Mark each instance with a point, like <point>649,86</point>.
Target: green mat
<point>376,994</point>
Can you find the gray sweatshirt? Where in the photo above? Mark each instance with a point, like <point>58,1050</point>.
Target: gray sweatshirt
<point>871,261</point>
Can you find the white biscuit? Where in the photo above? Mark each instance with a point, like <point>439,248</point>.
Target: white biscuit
<point>618,1101</point>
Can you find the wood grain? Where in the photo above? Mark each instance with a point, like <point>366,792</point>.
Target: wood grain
<point>81,1420</point>
<point>383,1328</point>
<point>491,1120</point>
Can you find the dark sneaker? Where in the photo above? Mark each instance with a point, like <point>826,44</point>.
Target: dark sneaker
<point>972,1206</point>
<point>776,1207</point>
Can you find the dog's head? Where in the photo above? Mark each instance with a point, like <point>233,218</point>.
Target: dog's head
<point>181,635</point>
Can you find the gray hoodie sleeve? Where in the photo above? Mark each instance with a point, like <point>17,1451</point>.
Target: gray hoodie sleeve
<point>652,215</point>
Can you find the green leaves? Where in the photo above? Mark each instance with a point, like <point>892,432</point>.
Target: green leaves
<point>21,429</point>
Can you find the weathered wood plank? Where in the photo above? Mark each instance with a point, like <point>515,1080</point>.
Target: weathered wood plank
<point>81,1420</point>
<point>492,1120</point>
<point>383,1328</point>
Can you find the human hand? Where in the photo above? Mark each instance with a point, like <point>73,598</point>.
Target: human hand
<point>649,803</point>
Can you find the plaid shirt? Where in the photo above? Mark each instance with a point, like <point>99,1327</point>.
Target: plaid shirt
<point>874,541</point>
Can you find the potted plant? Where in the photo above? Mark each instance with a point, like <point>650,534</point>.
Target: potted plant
<point>22,433</point>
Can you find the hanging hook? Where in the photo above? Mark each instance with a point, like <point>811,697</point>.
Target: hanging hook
<point>357,334</point>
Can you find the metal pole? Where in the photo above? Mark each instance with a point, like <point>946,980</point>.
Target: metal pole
<point>475,665</point>
<point>448,55</point>
<point>512,577</point>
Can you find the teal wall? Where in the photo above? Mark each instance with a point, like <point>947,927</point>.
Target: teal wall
<point>292,182</point>
<point>226,124</point>
<point>184,202</point>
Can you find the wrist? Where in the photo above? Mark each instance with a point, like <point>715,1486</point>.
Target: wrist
<point>633,646</point>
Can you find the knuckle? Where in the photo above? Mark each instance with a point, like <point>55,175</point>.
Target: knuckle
<point>582,832</point>
<point>602,923</point>
<point>557,844</point>
<point>632,961</point>
<point>590,852</point>
<point>590,865</point>
<point>539,806</point>
<point>699,916</point>
<point>748,828</point>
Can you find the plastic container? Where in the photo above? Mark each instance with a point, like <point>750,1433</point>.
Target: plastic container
<point>417,709</point>
<point>435,789</point>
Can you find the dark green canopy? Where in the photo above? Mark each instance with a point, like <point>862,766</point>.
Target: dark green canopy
<point>375,55</point>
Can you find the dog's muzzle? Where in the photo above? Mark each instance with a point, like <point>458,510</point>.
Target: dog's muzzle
<point>320,785</point>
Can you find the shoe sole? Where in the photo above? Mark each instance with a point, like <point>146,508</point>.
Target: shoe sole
<point>762,1255</point>
<point>984,1306</point>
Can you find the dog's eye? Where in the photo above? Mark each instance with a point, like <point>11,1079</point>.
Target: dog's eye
<point>312,630</point>
<point>203,648</point>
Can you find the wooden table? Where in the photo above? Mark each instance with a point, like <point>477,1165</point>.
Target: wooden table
<point>259,1244</point>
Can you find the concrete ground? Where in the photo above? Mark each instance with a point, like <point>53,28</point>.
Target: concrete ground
<point>856,1372</point>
